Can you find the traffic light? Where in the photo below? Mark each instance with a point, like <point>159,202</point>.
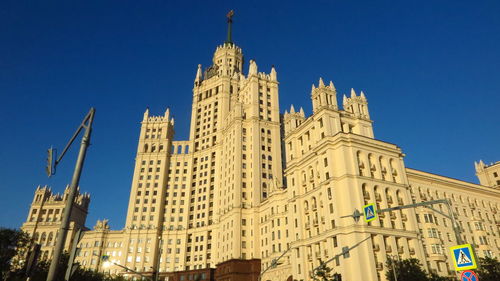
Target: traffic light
<point>50,168</point>
<point>345,252</point>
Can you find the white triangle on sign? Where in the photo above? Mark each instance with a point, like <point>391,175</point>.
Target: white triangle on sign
<point>463,258</point>
<point>369,212</point>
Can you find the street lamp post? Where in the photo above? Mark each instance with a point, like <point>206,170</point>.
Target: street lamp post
<point>63,229</point>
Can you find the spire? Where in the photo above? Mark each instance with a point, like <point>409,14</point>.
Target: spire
<point>198,74</point>
<point>292,109</point>
<point>252,69</point>
<point>332,86</point>
<point>362,95</point>
<point>146,113</point>
<point>229,25</point>
<point>353,93</point>
<point>313,87</point>
<point>321,84</point>
<point>273,74</point>
<point>344,99</point>
<point>167,113</point>
<point>302,112</point>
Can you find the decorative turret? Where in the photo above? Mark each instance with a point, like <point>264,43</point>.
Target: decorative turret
<point>156,132</point>
<point>274,76</point>
<point>488,175</point>
<point>252,68</point>
<point>357,105</point>
<point>324,96</point>
<point>199,77</point>
<point>293,119</point>
<point>228,58</point>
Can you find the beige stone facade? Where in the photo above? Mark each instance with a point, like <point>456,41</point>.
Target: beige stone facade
<point>489,175</point>
<point>45,215</point>
<point>251,183</point>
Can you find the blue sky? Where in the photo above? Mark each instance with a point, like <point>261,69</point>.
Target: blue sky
<point>430,71</point>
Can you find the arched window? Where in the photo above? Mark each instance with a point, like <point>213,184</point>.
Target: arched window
<point>314,203</point>
<point>361,165</point>
<point>371,165</point>
<point>145,148</point>
<point>306,205</point>
<point>399,197</point>
<point>43,239</point>
<point>49,240</point>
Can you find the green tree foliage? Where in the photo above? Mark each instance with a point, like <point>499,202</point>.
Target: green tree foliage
<point>434,277</point>
<point>407,270</point>
<point>489,269</point>
<point>12,243</point>
<point>324,273</point>
<point>13,250</point>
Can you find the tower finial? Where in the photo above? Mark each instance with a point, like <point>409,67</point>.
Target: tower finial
<point>229,25</point>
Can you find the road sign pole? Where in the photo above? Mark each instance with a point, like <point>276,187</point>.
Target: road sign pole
<point>63,229</point>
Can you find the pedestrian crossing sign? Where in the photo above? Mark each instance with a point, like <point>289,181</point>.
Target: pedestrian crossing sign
<point>370,212</point>
<point>463,257</point>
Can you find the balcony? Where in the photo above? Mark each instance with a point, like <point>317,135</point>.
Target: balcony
<point>376,247</point>
<point>317,254</point>
<point>378,197</point>
<point>380,266</point>
<point>381,215</point>
<point>404,217</point>
<point>389,200</point>
<point>412,251</point>
<point>326,253</point>
<point>315,222</point>
<point>393,216</point>
<point>308,225</point>
<point>388,249</point>
<point>401,250</point>
<point>309,257</point>
<point>322,220</point>
<point>366,195</point>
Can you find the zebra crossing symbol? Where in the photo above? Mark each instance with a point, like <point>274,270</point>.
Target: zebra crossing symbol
<point>463,257</point>
<point>369,212</point>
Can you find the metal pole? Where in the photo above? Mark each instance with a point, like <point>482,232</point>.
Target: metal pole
<point>394,268</point>
<point>455,226</point>
<point>157,267</point>
<point>63,229</point>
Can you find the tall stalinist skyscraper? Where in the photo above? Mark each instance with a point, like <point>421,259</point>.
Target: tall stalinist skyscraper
<point>204,194</point>
<point>253,190</point>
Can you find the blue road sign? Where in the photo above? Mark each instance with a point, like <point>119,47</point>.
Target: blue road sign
<point>463,257</point>
<point>469,275</point>
<point>370,212</point>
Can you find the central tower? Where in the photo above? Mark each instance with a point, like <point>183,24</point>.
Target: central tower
<point>199,200</point>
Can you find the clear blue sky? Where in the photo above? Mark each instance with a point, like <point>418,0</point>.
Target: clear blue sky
<point>430,70</point>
